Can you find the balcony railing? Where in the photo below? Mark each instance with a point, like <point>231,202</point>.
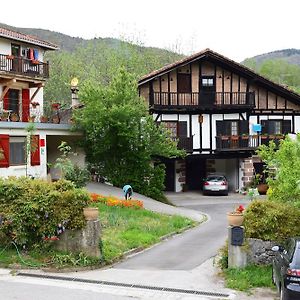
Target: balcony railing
<point>23,66</point>
<point>226,100</point>
<point>24,113</point>
<point>245,142</point>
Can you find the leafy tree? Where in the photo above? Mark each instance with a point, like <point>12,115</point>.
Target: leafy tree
<point>284,169</point>
<point>122,138</point>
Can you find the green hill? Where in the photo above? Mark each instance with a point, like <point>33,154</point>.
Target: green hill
<point>93,60</point>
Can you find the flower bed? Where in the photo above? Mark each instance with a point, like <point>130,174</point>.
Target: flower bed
<point>114,201</point>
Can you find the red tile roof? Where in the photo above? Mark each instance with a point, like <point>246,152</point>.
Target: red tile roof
<point>17,36</point>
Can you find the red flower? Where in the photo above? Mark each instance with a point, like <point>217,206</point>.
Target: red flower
<point>240,209</point>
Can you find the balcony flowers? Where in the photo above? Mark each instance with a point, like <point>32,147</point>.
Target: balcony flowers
<point>55,106</point>
<point>236,217</point>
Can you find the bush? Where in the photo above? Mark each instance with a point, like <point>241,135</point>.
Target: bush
<point>79,176</point>
<point>271,221</point>
<point>31,210</point>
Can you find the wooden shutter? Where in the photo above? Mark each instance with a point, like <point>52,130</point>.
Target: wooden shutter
<point>184,83</point>
<point>182,129</point>
<point>6,100</point>
<point>35,150</point>
<point>286,126</point>
<point>4,147</point>
<point>25,105</point>
<point>220,127</point>
<point>243,127</point>
<point>264,127</point>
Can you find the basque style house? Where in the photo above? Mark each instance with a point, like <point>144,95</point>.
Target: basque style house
<point>23,73</point>
<point>220,112</point>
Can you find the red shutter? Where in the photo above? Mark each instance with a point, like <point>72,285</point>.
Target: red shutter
<point>6,100</point>
<point>4,147</point>
<point>35,150</point>
<point>25,105</point>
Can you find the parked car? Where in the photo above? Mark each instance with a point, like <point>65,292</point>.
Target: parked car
<point>286,269</point>
<point>215,184</point>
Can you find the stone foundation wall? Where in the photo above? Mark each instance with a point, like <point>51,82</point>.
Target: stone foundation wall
<point>247,171</point>
<point>260,252</point>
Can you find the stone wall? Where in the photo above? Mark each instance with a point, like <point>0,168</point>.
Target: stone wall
<point>260,252</point>
<point>85,240</point>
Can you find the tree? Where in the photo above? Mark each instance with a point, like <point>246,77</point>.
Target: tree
<point>284,169</point>
<point>122,138</point>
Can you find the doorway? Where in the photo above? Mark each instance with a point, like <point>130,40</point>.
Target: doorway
<point>207,91</point>
<point>170,176</point>
<point>195,173</point>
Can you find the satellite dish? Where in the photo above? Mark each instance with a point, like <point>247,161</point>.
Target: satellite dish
<point>74,82</point>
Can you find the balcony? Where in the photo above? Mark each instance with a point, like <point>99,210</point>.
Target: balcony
<point>198,101</point>
<point>12,65</point>
<point>245,142</point>
<point>34,113</point>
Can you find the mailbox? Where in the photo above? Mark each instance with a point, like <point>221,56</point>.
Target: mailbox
<point>237,236</point>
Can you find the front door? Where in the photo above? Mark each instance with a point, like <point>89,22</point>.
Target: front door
<point>207,91</point>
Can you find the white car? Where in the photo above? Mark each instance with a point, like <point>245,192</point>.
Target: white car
<point>215,184</point>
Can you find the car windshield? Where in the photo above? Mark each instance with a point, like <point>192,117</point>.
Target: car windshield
<point>215,178</point>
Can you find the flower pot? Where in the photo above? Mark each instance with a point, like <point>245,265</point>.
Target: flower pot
<point>55,119</point>
<point>44,119</point>
<point>235,219</point>
<point>91,213</point>
<point>262,188</point>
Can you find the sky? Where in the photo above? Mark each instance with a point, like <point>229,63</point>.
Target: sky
<point>237,29</point>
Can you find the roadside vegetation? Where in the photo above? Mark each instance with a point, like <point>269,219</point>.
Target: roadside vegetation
<point>32,209</point>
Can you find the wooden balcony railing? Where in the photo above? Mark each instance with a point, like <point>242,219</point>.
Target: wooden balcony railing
<point>245,142</point>
<point>185,143</point>
<point>211,100</point>
<point>23,66</point>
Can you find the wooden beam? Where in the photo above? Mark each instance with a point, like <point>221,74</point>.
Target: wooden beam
<point>8,86</point>
<point>35,93</point>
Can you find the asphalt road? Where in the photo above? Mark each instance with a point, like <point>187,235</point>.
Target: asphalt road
<point>189,250</point>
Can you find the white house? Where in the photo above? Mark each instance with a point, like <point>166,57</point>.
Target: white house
<point>23,73</point>
<point>220,111</point>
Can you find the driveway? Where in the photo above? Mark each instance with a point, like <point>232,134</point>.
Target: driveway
<point>194,247</point>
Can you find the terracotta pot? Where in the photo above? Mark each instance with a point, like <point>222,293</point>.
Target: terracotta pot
<point>235,219</point>
<point>262,188</point>
<point>91,213</point>
<point>44,119</point>
<point>56,120</point>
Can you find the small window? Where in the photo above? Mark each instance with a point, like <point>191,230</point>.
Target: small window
<point>17,151</point>
<point>172,128</point>
<point>207,82</point>
<point>234,128</point>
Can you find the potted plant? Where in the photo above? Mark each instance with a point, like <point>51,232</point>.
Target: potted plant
<point>236,217</point>
<point>44,119</point>
<point>14,117</point>
<point>55,119</point>
<point>4,116</point>
<point>9,56</point>
<point>32,118</point>
<point>55,106</point>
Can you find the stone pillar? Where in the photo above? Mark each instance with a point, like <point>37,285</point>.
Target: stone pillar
<point>247,171</point>
<point>237,257</point>
<point>85,240</point>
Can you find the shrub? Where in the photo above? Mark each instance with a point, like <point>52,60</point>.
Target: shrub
<point>79,176</point>
<point>269,220</point>
<point>32,209</point>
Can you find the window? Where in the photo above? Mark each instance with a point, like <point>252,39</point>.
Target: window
<point>172,128</point>
<point>17,151</point>
<point>184,83</point>
<point>207,82</point>
<point>234,128</point>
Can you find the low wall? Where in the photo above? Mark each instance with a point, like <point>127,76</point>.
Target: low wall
<point>85,240</point>
<point>260,252</point>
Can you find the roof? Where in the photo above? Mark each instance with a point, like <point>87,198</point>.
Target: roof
<point>208,53</point>
<point>17,36</point>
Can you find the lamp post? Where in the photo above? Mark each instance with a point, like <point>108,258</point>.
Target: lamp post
<point>74,92</point>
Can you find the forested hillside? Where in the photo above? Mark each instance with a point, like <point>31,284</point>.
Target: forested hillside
<point>93,60</point>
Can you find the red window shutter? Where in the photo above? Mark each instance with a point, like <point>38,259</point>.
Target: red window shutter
<point>35,150</point>
<point>25,105</point>
<point>6,100</point>
<point>4,147</point>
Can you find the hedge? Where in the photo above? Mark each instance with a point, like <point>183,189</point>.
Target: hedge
<point>31,210</point>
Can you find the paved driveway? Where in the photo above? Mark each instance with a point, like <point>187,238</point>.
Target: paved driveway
<point>191,249</point>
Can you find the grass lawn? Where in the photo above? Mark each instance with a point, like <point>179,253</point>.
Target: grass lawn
<point>249,277</point>
<point>123,229</point>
